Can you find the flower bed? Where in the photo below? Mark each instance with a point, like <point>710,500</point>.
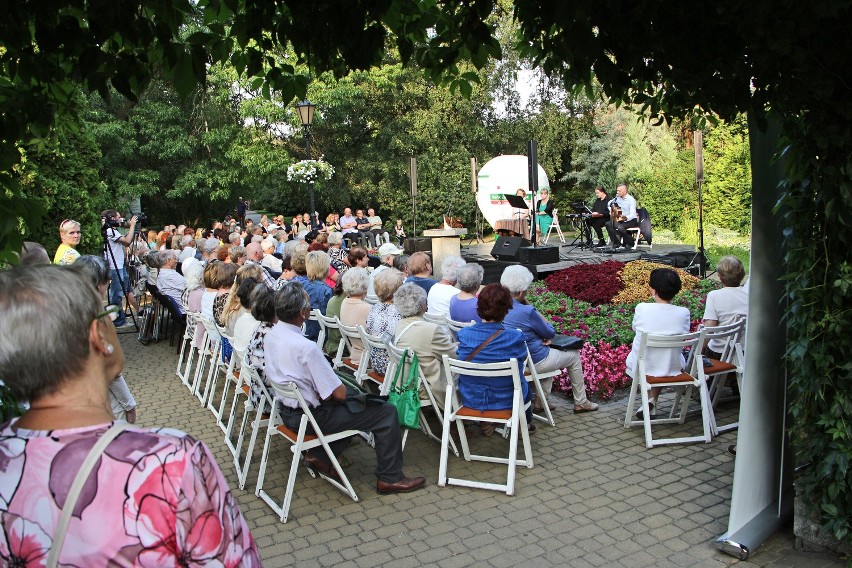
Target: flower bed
<point>596,303</point>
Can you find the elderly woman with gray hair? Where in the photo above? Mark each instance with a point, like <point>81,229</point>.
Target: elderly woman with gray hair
<point>430,341</point>
<point>383,315</point>
<point>537,334</point>
<point>463,304</point>
<point>441,293</point>
<point>354,310</point>
<point>64,371</point>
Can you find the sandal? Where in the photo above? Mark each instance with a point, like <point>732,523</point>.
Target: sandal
<point>588,407</point>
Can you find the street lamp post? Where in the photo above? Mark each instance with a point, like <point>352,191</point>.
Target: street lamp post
<point>306,116</point>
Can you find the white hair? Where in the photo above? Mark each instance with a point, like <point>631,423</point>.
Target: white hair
<point>193,271</point>
<point>410,300</point>
<point>450,268</point>
<point>516,278</point>
<point>211,245</point>
<point>355,281</point>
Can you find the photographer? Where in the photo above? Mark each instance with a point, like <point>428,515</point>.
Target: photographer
<point>116,259</point>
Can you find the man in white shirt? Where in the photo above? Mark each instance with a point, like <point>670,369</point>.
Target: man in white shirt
<point>187,244</point>
<point>441,293</point>
<point>115,258</point>
<point>617,226</point>
<point>268,246</point>
<point>292,358</point>
<point>169,282</point>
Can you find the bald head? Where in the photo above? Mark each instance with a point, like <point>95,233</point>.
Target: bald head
<point>254,252</point>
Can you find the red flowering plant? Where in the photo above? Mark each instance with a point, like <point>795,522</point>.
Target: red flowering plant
<point>593,283</point>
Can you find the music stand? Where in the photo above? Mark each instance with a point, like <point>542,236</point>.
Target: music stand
<point>585,234</point>
<point>516,201</point>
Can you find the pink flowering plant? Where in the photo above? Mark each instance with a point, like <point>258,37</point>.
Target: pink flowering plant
<point>605,327</point>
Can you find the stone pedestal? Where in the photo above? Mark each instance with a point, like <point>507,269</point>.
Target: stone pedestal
<point>445,242</point>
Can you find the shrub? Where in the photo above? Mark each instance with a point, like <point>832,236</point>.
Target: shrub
<point>593,283</point>
<point>635,278</point>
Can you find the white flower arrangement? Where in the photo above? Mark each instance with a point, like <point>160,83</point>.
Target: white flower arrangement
<point>310,171</point>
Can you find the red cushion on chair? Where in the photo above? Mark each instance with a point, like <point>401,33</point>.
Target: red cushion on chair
<point>472,413</point>
<point>376,376</point>
<point>681,378</point>
<point>291,435</point>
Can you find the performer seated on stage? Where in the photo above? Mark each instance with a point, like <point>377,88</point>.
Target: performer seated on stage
<point>622,217</point>
<point>544,212</point>
<point>600,215</point>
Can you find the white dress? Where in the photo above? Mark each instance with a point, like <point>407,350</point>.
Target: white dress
<point>659,319</point>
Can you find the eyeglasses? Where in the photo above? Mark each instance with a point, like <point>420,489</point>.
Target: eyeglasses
<point>110,311</point>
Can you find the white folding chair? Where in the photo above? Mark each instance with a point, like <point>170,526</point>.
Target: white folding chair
<point>259,401</point>
<point>455,326</point>
<point>535,377</point>
<point>300,441</point>
<point>186,347</point>
<point>328,323</point>
<point>690,379</point>
<point>232,377</point>
<point>315,313</point>
<point>637,237</point>
<point>371,342</point>
<point>555,225</point>
<point>400,356</point>
<point>439,319</point>
<point>210,354</point>
<point>513,419</point>
<point>731,362</point>
<point>361,365</point>
<point>243,389</point>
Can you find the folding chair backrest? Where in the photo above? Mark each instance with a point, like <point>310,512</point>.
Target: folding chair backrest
<point>455,326</point>
<point>676,343</point>
<point>212,330</point>
<point>455,367</point>
<point>440,319</point>
<point>255,383</point>
<point>732,334</point>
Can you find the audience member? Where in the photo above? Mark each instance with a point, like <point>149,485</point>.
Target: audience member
<point>169,282</point>
<point>430,341</point>
<point>442,292</point>
<point>537,334</point>
<point>33,253</point>
<point>69,234</point>
<point>420,268</point>
<point>354,310</point>
<point>234,307</point>
<point>387,253</point>
<point>659,318</point>
<point>463,305</point>
<point>726,305</point>
<point>383,315</point>
<point>298,360</point>
<point>316,266</point>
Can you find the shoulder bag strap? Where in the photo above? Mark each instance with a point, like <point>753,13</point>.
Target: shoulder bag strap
<point>406,328</point>
<point>483,344</point>
<point>77,486</point>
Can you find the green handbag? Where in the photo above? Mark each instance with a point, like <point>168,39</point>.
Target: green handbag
<point>405,396</point>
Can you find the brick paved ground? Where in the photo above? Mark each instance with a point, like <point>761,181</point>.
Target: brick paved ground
<point>596,496</point>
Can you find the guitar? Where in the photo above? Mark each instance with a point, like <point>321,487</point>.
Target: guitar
<point>615,213</point>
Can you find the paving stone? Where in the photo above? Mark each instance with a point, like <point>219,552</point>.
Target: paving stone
<point>596,496</point>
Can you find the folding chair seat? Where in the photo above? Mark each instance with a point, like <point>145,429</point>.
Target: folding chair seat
<point>535,377</point>
<point>186,347</point>
<point>370,342</point>
<point>513,419</point>
<point>731,363</point>
<point>327,324</point>
<point>397,356</point>
<point>687,380</point>
<point>308,436</point>
<point>555,225</point>
<point>259,402</point>
<point>360,366</point>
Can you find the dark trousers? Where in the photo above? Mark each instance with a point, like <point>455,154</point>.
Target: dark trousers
<point>597,223</point>
<point>618,232</point>
<point>381,420</point>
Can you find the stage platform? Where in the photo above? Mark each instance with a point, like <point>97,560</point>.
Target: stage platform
<point>568,256</point>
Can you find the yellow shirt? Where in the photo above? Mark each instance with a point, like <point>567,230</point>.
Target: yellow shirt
<point>65,255</point>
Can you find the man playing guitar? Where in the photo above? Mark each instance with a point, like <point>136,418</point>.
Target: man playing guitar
<point>622,217</point>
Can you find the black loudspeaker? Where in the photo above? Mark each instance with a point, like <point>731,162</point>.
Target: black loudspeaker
<point>506,248</point>
<point>539,255</point>
<point>419,244</point>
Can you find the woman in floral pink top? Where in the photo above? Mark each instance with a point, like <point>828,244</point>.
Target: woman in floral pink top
<point>154,498</point>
